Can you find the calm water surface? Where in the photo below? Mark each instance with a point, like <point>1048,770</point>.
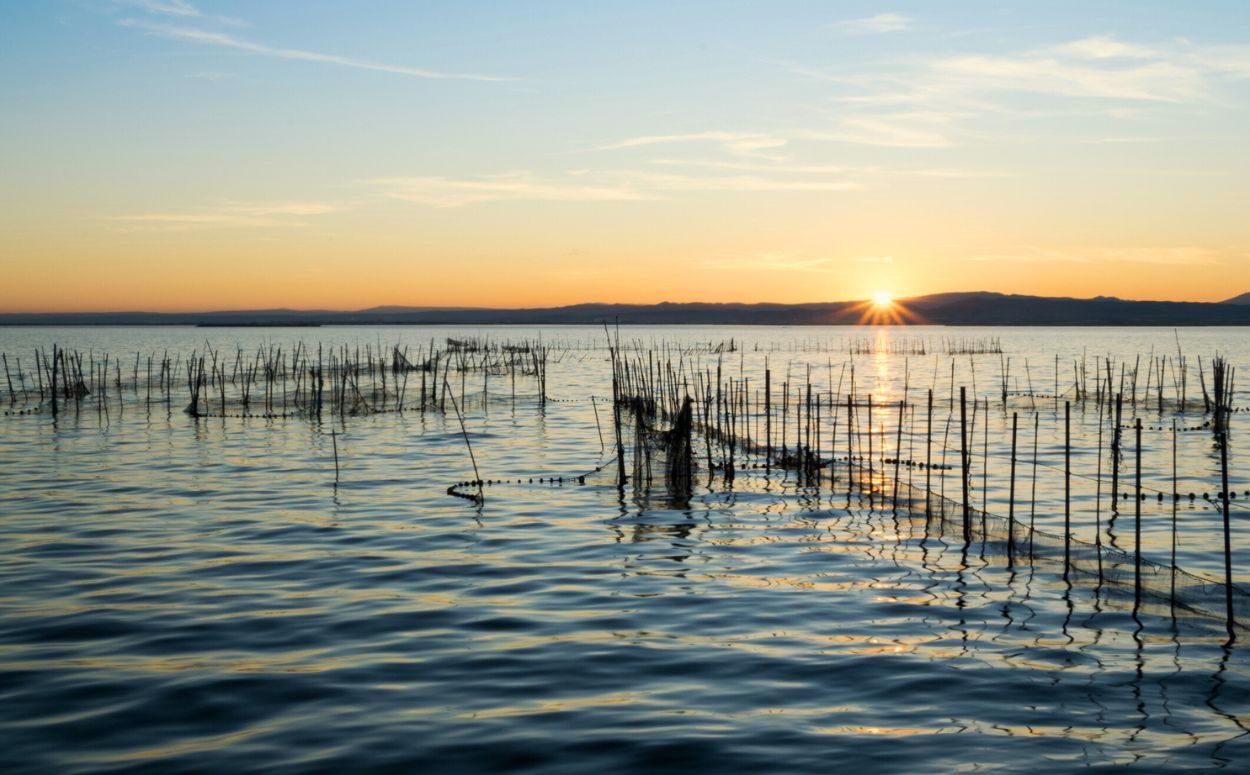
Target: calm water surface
<point>198,595</point>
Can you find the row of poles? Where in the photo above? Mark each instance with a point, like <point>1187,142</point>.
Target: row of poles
<point>272,381</point>
<point>655,391</point>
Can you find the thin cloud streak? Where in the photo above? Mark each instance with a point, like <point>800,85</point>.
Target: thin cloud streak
<point>747,166</point>
<point>437,191</point>
<point>166,7</point>
<point>875,25</point>
<point>1155,81</point>
<point>179,9</point>
<point>222,40</point>
<point>589,186</point>
<point>892,130</point>
<point>769,262</point>
<point>1184,255</point>
<point>738,183</point>
<point>737,143</point>
<point>230,215</point>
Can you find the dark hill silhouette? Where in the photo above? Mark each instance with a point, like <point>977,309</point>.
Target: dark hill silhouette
<point>950,309</point>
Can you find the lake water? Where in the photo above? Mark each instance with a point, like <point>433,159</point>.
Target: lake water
<point>197,594</point>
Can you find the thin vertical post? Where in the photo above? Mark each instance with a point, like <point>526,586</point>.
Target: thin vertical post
<point>1137,520</point>
<point>1175,500</point>
<point>335,442</point>
<point>928,455</point>
<point>850,441</point>
<point>1098,504</point>
<point>870,453</point>
<point>1037,418</point>
<point>963,458</point>
<point>56,358</point>
<point>1228,549</point>
<point>898,450</point>
<point>1115,454</point>
<point>985,469</point>
<point>768,417</point>
<point>1011,498</point>
<point>1067,486</point>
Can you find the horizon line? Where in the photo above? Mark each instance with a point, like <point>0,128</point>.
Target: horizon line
<point>399,308</point>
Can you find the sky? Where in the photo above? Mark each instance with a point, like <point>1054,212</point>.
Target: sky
<point>172,155</point>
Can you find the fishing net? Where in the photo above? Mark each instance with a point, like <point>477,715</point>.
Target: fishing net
<point>667,447</point>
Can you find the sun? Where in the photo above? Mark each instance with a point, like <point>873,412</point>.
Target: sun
<point>881,309</point>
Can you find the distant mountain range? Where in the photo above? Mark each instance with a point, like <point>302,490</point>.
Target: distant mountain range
<point>951,309</point>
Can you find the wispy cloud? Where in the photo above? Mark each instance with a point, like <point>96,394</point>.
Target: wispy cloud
<point>659,182</point>
<point>875,25</point>
<point>769,262</point>
<point>1103,47</point>
<point>212,75</point>
<point>920,129</point>
<point>737,143</point>
<point>1097,66</point>
<point>223,40</point>
<point>166,7</point>
<point>514,186</point>
<point>1123,140</point>
<point>953,172</point>
<point>875,259</point>
<point>931,102</point>
<point>229,215</point>
<point>753,166</point>
<point>1184,255</point>
<point>179,9</point>
<point>1049,72</point>
<point>284,208</point>
<point>591,186</point>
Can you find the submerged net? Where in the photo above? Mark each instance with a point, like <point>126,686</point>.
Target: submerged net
<point>667,449</point>
<point>1080,562</point>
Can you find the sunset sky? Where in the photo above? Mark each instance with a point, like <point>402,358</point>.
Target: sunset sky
<point>171,155</point>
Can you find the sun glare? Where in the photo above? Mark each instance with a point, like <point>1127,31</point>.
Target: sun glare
<point>882,299</point>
